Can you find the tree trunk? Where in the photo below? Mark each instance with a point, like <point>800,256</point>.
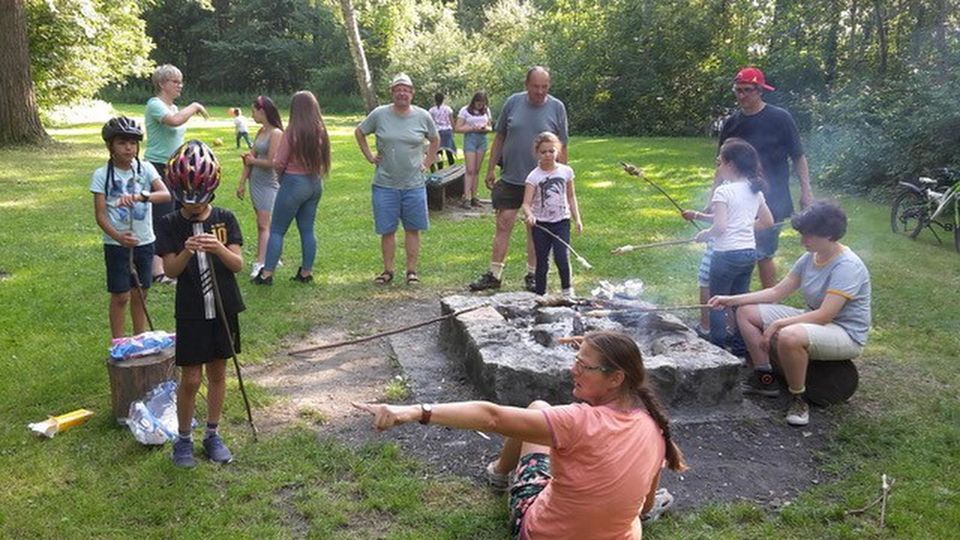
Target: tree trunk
<point>881,38</point>
<point>19,119</point>
<point>360,68</point>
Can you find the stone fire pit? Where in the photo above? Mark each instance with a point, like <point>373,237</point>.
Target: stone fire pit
<point>511,354</point>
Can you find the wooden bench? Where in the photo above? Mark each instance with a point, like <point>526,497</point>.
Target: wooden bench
<point>446,182</point>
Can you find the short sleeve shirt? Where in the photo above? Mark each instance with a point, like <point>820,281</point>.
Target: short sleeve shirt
<point>473,120</point>
<point>603,462</point>
<point>442,117</point>
<point>520,122</point>
<point>138,218</point>
<point>774,135</point>
<point>550,196</point>
<point>162,140</point>
<point>172,232</point>
<point>844,275</point>
<point>400,144</point>
<point>742,206</point>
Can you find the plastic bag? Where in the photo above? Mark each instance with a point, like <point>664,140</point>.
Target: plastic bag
<point>143,344</point>
<point>631,289</point>
<point>153,420</point>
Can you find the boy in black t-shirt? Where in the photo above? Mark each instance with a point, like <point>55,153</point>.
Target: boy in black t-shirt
<point>200,245</point>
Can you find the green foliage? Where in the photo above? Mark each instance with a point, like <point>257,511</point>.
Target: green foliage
<point>80,46</point>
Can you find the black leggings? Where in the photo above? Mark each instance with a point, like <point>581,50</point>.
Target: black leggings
<point>542,244</point>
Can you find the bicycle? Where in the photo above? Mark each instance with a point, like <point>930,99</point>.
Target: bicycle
<point>922,204</point>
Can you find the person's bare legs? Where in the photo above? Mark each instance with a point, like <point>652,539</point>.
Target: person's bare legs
<point>501,239</point>
<point>767,269</point>
<point>388,247</point>
<point>216,389</point>
<point>750,324</point>
<point>792,343</point>
<point>411,245</point>
<point>263,234</point>
<point>187,397</point>
<point>138,311</point>
<point>118,313</point>
<point>471,174</point>
<point>513,449</point>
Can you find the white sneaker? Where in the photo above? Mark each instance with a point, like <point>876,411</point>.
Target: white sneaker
<point>256,269</point>
<point>798,413</point>
<point>568,293</point>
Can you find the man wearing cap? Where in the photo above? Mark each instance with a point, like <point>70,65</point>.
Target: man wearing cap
<point>399,183</point>
<point>524,116</point>
<point>772,131</point>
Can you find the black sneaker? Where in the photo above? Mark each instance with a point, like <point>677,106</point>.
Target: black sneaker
<point>762,383</point>
<point>530,282</point>
<point>300,277</point>
<point>486,281</point>
<point>260,280</point>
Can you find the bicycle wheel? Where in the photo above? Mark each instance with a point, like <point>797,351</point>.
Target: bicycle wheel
<point>909,213</point>
<point>956,238</point>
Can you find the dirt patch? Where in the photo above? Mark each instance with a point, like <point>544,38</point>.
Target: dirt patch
<point>756,457</point>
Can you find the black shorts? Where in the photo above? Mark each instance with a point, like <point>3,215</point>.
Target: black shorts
<point>507,196</point>
<point>200,341</point>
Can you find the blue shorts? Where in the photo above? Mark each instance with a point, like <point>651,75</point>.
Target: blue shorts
<point>475,142</point>
<point>391,205</point>
<point>446,140</point>
<point>703,273</point>
<point>768,240</point>
<point>119,277</point>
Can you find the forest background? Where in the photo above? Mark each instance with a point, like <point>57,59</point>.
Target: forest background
<point>872,83</point>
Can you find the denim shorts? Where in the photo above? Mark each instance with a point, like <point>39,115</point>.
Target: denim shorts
<point>768,240</point>
<point>393,205</point>
<point>475,142</point>
<point>119,277</point>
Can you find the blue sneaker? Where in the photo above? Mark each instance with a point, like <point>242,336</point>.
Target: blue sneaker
<point>183,453</point>
<point>215,450</point>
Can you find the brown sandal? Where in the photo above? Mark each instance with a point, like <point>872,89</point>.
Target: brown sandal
<point>412,278</point>
<point>384,278</point>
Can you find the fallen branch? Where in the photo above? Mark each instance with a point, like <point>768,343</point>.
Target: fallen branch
<point>301,352</point>
<point>886,485</point>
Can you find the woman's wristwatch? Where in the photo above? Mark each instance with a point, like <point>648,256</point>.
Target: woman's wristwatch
<point>426,410</point>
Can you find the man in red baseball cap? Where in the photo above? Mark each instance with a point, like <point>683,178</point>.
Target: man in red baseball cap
<point>772,131</point>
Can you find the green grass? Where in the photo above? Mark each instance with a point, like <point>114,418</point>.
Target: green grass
<point>96,481</point>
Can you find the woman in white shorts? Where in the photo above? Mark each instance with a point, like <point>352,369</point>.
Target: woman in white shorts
<point>836,291</point>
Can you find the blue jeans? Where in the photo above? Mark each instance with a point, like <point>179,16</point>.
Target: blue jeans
<point>730,273</point>
<point>297,198</point>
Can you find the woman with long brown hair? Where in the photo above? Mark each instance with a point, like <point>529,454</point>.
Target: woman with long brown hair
<point>586,470</point>
<point>302,161</point>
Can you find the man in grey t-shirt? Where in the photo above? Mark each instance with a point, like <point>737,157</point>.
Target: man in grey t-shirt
<point>524,116</point>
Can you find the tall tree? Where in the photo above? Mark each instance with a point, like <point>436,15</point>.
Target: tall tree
<point>364,81</point>
<point>19,119</point>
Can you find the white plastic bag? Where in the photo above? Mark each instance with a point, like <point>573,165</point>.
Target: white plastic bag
<point>153,420</point>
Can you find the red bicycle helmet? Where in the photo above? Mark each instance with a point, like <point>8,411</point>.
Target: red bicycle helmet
<point>193,173</point>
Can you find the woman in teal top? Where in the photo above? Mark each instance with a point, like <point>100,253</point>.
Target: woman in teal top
<point>165,130</point>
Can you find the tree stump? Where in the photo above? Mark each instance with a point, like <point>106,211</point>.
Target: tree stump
<point>131,379</point>
<point>828,381</point>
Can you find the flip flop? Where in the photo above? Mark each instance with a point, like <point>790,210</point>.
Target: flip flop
<point>384,278</point>
<point>412,278</point>
<point>662,502</point>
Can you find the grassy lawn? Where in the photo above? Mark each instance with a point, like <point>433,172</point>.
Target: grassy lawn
<point>96,481</point>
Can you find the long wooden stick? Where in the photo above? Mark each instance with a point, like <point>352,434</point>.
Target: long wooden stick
<point>633,170</point>
<point>628,248</point>
<point>606,312</point>
<point>300,352</point>
<point>580,259</point>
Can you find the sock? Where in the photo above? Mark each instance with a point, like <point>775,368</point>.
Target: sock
<point>797,393</point>
<point>497,269</point>
<point>766,369</point>
<point>211,430</point>
<point>531,269</point>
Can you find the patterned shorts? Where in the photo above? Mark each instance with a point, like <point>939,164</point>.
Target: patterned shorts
<point>532,475</point>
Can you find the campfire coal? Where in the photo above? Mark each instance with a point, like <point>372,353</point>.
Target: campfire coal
<point>511,351</point>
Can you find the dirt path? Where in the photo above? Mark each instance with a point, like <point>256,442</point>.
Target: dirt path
<point>755,457</point>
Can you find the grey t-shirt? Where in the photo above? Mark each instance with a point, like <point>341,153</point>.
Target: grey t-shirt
<point>844,275</point>
<point>400,142</point>
<point>520,122</point>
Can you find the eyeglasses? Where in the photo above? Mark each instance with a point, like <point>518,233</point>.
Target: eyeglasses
<point>580,366</point>
<point>744,89</point>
